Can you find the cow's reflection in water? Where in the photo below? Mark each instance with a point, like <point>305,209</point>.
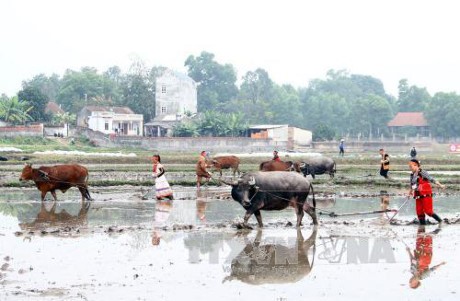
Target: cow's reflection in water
<point>50,219</point>
<point>261,263</point>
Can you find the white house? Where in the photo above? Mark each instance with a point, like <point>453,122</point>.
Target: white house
<point>175,95</point>
<point>295,137</point>
<point>175,98</point>
<point>111,120</point>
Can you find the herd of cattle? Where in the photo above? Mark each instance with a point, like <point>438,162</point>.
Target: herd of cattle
<point>275,186</point>
<point>314,166</point>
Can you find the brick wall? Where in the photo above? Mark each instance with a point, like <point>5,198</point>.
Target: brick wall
<point>35,130</point>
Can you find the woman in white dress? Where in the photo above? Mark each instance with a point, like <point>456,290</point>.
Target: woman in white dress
<point>162,188</point>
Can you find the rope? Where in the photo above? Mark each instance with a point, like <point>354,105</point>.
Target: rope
<point>327,212</point>
<point>57,180</point>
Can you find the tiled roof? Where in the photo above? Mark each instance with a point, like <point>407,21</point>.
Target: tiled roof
<point>117,110</point>
<point>408,119</point>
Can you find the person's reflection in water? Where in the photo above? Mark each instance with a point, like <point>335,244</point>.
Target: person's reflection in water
<point>201,204</point>
<point>162,211</point>
<point>384,203</point>
<point>421,258</point>
<point>274,263</point>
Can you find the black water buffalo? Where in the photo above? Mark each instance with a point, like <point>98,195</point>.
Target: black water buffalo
<point>279,166</point>
<point>318,166</point>
<point>260,263</point>
<point>273,191</point>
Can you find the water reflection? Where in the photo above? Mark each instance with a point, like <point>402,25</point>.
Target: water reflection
<point>420,258</point>
<point>201,204</point>
<point>46,219</point>
<point>384,205</point>
<point>260,263</point>
<point>163,210</point>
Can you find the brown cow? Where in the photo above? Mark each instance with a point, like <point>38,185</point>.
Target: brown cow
<point>226,162</point>
<point>56,177</point>
<point>273,165</point>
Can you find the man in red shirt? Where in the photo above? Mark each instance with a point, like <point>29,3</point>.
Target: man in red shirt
<point>275,156</point>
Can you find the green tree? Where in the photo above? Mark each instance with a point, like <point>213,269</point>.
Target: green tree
<point>138,88</point>
<point>216,82</point>
<point>257,85</point>
<point>80,88</point>
<point>35,98</point>
<point>442,114</point>
<point>64,118</point>
<point>323,132</point>
<point>234,124</point>
<point>49,86</point>
<point>15,111</point>
<point>412,98</point>
<point>346,103</point>
<point>185,129</point>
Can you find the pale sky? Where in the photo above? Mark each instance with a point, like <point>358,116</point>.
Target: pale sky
<point>295,41</point>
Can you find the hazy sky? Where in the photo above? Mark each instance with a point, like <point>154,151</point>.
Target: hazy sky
<point>295,41</point>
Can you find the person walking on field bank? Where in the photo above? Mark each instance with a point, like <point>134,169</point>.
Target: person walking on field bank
<point>201,170</point>
<point>421,191</point>
<point>341,148</point>
<point>413,153</point>
<point>162,188</point>
<point>384,163</point>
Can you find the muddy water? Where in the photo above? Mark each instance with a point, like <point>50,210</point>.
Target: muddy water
<point>123,248</point>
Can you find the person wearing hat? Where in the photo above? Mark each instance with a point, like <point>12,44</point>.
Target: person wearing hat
<point>201,170</point>
<point>275,156</point>
<point>421,191</point>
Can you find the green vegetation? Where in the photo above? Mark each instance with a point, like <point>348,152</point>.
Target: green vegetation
<point>341,104</point>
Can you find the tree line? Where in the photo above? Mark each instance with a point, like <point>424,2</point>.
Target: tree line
<point>339,105</point>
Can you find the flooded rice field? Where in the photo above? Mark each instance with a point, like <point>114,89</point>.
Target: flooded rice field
<point>121,247</point>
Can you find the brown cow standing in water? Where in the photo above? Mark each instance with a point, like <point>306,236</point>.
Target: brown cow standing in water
<point>58,177</point>
<point>226,162</point>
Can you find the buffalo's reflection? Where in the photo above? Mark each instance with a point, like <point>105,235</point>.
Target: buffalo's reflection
<point>262,263</point>
<point>420,259</point>
<point>46,219</point>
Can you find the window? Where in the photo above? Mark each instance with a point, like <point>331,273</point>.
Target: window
<point>163,89</point>
<point>106,126</point>
<point>163,110</point>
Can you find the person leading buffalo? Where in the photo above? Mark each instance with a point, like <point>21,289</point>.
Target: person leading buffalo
<point>201,170</point>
